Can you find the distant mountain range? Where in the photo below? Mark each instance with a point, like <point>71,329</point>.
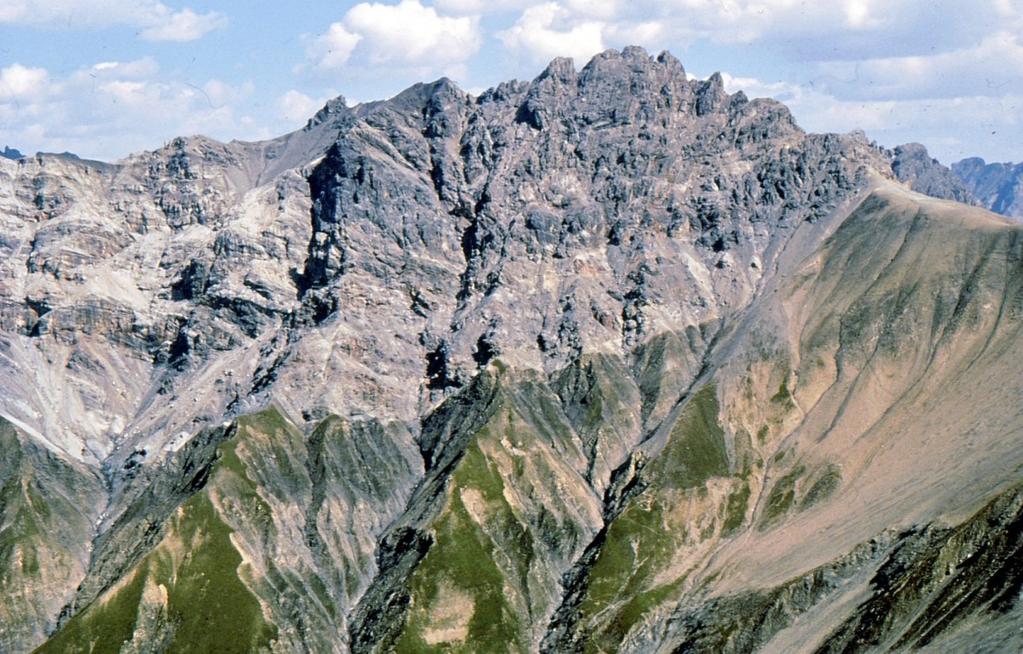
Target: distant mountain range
<point>998,186</point>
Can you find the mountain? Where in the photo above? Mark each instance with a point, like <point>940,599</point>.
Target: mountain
<point>10,153</point>
<point>911,163</point>
<point>999,186</point>
<point>610,360</point>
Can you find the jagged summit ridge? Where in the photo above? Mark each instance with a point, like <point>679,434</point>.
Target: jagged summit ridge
<point>422,208</point>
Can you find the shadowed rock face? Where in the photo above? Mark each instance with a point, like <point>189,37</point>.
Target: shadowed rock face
<point>998,186</point>
<point>606,361</point>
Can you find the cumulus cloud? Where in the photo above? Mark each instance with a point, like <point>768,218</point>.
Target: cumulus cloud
<point>995,63</point>
<point>106,110</point>
<point>333,48</point>
<point>550,30</point>
<point>19,82</point>
<point>481,6</point>
<point>406,34</point>
<point>741,20</point>
<point>295,107</point>
<point>156,21</point>
<point>834,30</point>
<point>604,9</point>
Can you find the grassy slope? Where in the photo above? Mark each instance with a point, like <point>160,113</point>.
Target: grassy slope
<point>208,605</point>
<point>514,517</point>
<point>627,579</point>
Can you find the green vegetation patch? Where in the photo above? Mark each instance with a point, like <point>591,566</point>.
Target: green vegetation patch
<point>463,561</point>
<point>19,530</point>
<point>105,626</point>
<point>824,487</point>
<point>639,543</point>
<point>781,498</point>
<point>208,606</point>
<point>735,509</point>
<point>783,395</point>
<point>213,609</point>
<point>645,537</point>
<point>696,450</point>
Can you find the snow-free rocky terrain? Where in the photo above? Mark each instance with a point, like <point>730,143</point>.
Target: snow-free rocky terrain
<point>607,361</point>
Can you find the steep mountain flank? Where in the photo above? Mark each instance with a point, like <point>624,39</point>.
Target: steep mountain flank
<point>611,360</point>
<point>582,212</point>
<point>832,393</point>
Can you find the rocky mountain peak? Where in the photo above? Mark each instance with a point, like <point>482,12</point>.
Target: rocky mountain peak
<point>536,223</point>
<point>912,163</point>
<point>615,85</point>
<point>330,112</point>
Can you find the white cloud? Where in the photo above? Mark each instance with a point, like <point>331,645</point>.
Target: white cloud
<point>743,20</point>
<point>157,21</point>
<point>138,68</point>
<point>815,31</point>
<point>334,48</point>
<point>645,32</point>
<point>481,6</point>
<point>407,33</point>
<point>185,25</point>
<point>106,110</point>
<point>297,107</point>
<point>982,69</point>
<point>549,30</point>
<point>604,9</point>
<point>19,82</point>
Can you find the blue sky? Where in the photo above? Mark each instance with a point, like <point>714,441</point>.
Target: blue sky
<point>104,78</point>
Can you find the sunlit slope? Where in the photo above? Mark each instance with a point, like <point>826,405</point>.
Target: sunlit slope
<point>873,389</point>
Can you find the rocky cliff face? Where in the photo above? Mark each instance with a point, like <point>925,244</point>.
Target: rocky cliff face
<point>998,186</point>
<point>597,362</point>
